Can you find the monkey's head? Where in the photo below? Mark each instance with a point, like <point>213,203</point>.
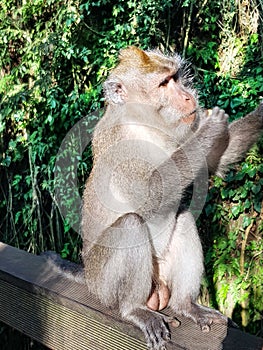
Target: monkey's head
<point>149,77</point>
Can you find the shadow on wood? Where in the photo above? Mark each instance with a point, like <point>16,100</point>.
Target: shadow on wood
<point>62,315</point>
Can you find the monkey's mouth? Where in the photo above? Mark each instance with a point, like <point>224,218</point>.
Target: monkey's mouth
<point>189,117</point>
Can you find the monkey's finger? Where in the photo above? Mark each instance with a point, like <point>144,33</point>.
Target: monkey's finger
<point>171,320</point>
<point>208,112</point>
<point>175,323</point>
<point>205,328</point>
<point>205,324</point>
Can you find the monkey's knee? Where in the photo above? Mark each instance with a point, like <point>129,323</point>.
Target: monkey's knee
<point>131,230</point>
<point>129,221</point>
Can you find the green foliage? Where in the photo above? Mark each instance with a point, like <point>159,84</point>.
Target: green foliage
<point>54,57</point>
<point>236,95</point>
<point>234,206</point>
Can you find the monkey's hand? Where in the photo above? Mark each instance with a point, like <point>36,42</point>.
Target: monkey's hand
<point>213,136</point>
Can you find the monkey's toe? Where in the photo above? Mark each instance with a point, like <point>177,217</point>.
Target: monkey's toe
<point>157,332</point>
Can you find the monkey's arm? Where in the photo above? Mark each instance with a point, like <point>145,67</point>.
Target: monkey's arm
<point>202,152</point>
<point>243,134</point>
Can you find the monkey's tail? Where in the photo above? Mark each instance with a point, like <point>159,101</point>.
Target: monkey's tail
<point>68,269</point>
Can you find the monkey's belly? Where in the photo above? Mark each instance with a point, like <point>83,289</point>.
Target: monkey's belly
<point>159,298</point>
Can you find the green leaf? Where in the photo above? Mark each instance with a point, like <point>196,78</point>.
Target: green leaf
<point>246,221</point>
<point>236,210</point>
<point>243,193</point>
<point>235,102</point>
<point>247,204</point>
<point>252,172</point>
<point>224,193</point>
<point>256,188</point>
<point>257,206</point>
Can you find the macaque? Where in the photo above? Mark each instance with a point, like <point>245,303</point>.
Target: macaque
<point>141,249</point>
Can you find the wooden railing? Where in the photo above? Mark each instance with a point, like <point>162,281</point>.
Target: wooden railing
<point>62,315</point>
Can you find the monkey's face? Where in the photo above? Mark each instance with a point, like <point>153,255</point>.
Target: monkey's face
<point>152,78</point>
<point>177,102</point>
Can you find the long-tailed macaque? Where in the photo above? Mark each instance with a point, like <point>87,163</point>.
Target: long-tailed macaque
<point>141,250</point>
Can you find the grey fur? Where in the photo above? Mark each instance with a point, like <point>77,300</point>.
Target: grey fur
<point>144,159</point>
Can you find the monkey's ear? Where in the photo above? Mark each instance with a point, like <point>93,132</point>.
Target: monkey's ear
<point>136,55</point>
<point>115,91</point>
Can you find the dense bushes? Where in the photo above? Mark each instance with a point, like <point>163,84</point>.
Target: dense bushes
<point>54,56</point>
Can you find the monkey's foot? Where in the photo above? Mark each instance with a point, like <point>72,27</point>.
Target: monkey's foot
<point>154,325</point>
<point>205,316</point>
<point>156,332</point>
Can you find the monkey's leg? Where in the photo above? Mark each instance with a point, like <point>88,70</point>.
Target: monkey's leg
<point>123,266</point>
<point>182,269</point>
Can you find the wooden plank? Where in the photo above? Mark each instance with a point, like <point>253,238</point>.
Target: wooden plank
<point>62,315</point>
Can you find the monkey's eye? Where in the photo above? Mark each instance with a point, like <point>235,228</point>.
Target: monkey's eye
<point>175,77</point>
<point>165,81</point>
